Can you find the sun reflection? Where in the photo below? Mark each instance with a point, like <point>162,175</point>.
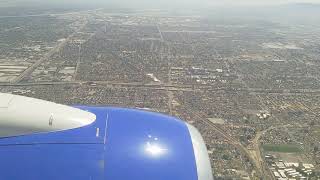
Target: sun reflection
<point>154,149</point>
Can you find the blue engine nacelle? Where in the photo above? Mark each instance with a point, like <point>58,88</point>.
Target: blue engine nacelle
<point>122,144</point>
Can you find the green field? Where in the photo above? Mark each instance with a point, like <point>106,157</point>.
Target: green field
<point>285,148</point>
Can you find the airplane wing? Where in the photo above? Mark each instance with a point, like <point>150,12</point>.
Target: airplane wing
<point>111,144</point>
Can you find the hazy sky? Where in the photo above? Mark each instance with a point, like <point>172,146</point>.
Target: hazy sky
<point>203,3</point>
<point>264,1</point>
<point>261,2</point>
<point>167,3</point>
<point>231,2</point>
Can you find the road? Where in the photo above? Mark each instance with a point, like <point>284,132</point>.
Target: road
<point>255,152</point>
<point>26,74</point>
<point>244,151</point>
<point>254,91</point>
<point>49,14</point>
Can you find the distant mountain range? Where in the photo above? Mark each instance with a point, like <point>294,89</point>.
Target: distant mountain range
<point>309,7</point>
<point>299,13</point>
<point>304,5</point>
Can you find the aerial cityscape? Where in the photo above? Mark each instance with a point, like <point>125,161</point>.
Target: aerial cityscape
<point>251,87</point>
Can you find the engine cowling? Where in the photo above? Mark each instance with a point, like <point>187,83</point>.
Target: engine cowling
<point>108,144</point>
<point>146,145</point>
